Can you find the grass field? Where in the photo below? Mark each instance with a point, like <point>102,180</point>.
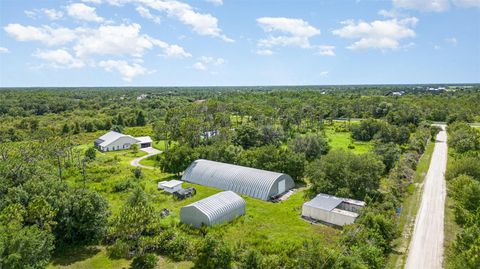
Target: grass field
<point>409,210</point>
<point>342,140</point>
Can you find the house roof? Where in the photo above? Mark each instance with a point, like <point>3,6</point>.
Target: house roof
<point>171,183</point>
<point>330,202</point>
<point>110,137</point>
<point>144,139</point>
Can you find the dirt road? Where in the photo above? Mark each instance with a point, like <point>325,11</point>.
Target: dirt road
<point>151,152</point>
<point>426,246</point>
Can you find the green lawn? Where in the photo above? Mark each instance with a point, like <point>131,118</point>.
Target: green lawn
<point>409,210</point>
<point>342,140</point>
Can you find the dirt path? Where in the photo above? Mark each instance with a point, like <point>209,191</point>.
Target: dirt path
<point>426,246</point>
<point>151,152</point>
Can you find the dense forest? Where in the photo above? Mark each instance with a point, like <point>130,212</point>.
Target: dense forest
<point>60,197</point>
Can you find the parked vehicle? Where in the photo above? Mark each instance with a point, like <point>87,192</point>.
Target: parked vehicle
<point>185,193</point>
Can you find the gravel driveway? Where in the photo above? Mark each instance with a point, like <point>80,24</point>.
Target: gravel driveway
<point>151,151</point>
<point>426,246</point>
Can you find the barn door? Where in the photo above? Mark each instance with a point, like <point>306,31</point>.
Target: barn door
<point>281,186</point>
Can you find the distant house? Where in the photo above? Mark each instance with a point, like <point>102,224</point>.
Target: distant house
<point>170,186</point>
<point>331,209</point>
<point>118,141</point>
<point>216,209</point>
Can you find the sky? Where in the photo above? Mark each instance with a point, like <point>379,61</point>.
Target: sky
<point>238,42</point>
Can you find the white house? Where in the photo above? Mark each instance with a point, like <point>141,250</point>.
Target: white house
<point>170,186</point>
<point>117,141</point>
<point>331,209</point>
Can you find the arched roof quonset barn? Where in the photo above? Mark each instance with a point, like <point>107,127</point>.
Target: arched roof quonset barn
<point>253,182</point>
<point>218,208</point>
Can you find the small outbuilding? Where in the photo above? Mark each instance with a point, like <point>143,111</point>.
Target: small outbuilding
<point>216,209</point>
<point>144,141</point>
<point>331,209</point>
<point>170,186</point>
<point>256,183</point>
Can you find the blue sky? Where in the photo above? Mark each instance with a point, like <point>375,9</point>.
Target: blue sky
<point>238,42</point>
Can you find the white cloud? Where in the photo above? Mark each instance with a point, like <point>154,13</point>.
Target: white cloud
<point>215,2</point>
<point>122,40</point>
<point>204,62</point>
<point>81,11</point>
<point>92,1</point>
<point>199,66</point>
<point>59,58</point>
<point>4,50</point>
<point>324,73</point>
<point>45,34</point>
<point>212,60</point>
<point>326,50</point>
<point>378,34</point>
<point>452,41</point>
<point>174,51</point>
<point>467,3</point>
<point>292,32</point>
<point>145,12</point>
<point>128,71</point>
<point>201,23</point>
<point>30,13</point>
<point>423,5</point>
<point>52,14</point>
<point>264,52</point>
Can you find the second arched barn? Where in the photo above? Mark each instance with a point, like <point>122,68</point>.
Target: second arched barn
<point>256,183</point>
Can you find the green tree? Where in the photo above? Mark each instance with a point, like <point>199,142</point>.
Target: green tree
<point>83,219</point>
<point>247,136</point>
<point>213,253</point>
<point>312,146</point>
<point>90,154</point>
<point>390,154</point>
<point>177,159</point>
<point>343,173</point>
<point>140,120</point>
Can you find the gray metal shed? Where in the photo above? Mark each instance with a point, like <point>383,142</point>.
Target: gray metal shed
<point>331,209</point>
<point>216,209</point>
<point>253,182</point>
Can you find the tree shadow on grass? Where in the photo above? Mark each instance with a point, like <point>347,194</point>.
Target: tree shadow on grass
<point>69,255</point>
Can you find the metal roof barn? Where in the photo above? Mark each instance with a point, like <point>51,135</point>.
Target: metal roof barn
<point>331,209</point>
<point>216,209</point>
<point>253,182</point>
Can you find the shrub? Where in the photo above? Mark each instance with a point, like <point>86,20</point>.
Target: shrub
<point>118,250</point>
<point>146,261</point>
<point>122,186</point>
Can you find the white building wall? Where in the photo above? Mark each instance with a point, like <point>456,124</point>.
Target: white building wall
<point>121,143</point>
<point>172,190</point>
<point>333,217</point>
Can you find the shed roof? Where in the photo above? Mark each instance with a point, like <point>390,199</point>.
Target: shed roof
<point>245,180</point>
<point>144,139</point>
<point>218,204</point>
<point>171,183</point>
<point>330,202</point>
<point>325,202</point>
